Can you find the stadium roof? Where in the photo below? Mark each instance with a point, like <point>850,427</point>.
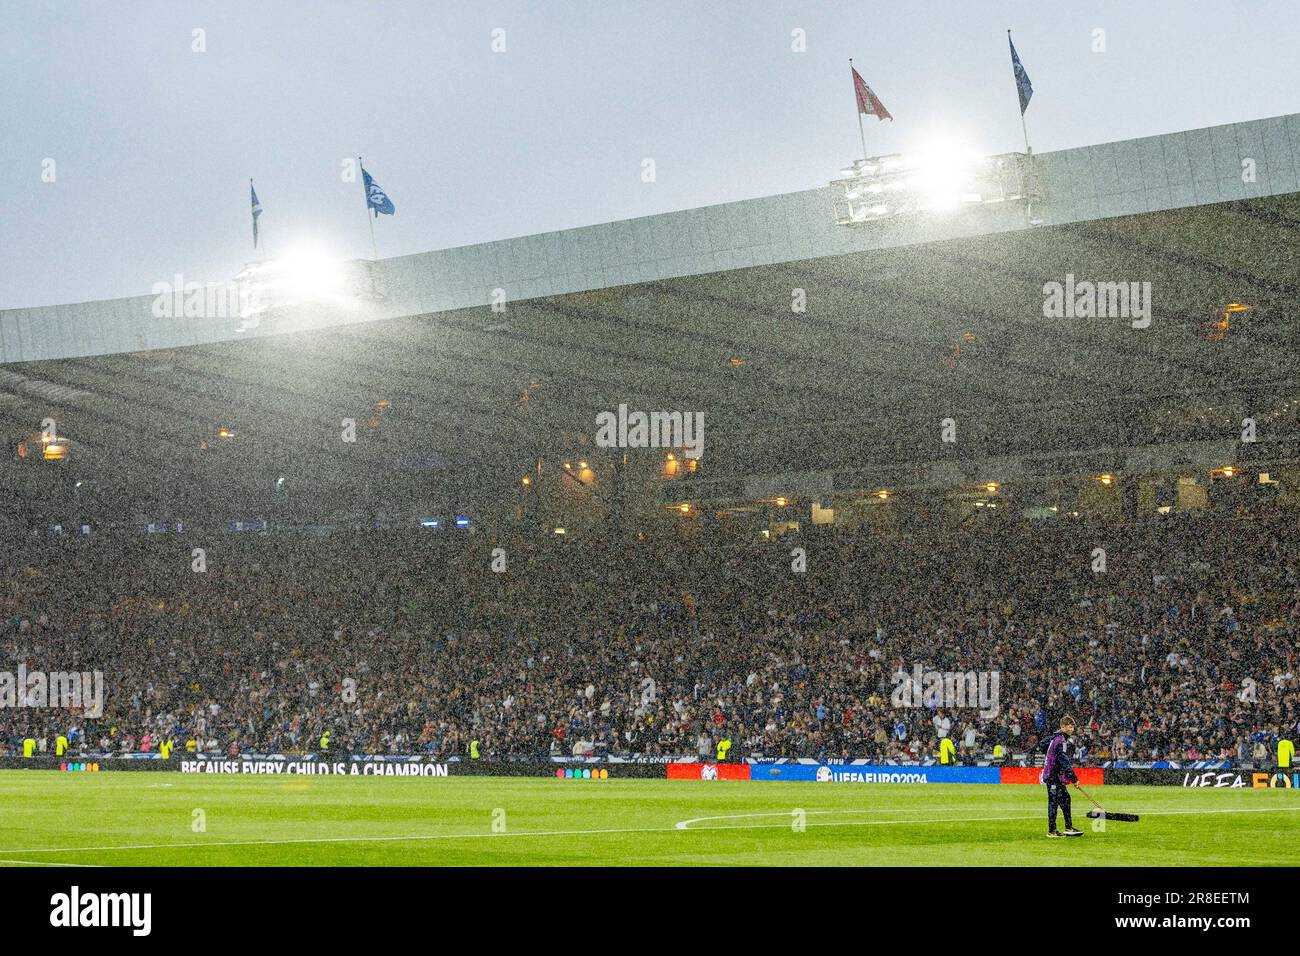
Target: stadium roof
<point>852,389</point>
<point>862,378</point>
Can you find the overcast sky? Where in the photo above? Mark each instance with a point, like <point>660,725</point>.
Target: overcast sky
<point>154,143</point>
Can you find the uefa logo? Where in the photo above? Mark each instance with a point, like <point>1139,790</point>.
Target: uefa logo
<point>709,772</point>
<point>823,774</point>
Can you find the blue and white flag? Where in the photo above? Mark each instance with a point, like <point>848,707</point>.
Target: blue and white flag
<point>1023,86</point>
<point>376,198</point>
<point>257,211</point>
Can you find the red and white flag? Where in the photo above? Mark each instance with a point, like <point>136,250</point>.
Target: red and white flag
<point>868,103</point>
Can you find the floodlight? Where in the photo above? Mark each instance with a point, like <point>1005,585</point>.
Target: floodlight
<point>303,274</point>
<point>307,273</point>
<point>942,178</point>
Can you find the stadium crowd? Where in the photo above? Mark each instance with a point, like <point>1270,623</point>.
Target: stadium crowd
<point>1183,648</point>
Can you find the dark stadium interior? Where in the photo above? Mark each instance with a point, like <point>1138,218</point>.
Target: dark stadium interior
<point>857,384</point>
<point>454,411</point>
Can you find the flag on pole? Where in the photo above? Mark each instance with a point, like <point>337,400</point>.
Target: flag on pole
<point>257,211</point>
<point>1023,86</point>
<point>868,103</point>
<point>376,198</point>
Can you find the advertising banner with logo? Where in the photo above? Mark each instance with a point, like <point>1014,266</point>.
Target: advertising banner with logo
<point>1088,776</point>
<point>868,773</point>
<point>1248,779</point>
<point>708,771</point>
<point>314,765</point>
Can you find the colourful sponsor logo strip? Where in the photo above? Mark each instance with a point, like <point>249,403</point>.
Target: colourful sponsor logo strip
<point>871,773</point>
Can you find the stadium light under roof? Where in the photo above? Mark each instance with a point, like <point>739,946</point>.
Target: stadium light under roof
<point>304,274</point>
<point>940,180</point>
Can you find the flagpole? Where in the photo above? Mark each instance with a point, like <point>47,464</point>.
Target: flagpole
<point>857,109</point>
<point>1030,179</point>
<point>260,244</point>
<point>1029,150</point>
<point>370,219</point>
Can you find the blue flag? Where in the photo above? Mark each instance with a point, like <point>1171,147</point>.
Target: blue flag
<point>1023,86</point>
<point>257,211</point>
<point>376,198</point>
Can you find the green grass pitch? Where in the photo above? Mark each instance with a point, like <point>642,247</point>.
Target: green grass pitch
<point>152,819</point>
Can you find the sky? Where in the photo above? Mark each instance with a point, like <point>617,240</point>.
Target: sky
<point>153,142</point>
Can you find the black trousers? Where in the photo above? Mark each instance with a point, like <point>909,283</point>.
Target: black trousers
<point>1058,795</point>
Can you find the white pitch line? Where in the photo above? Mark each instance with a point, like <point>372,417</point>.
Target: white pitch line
<point>685,824</point>
<point>46,863</point>
<point>600,832</point>
<point>489,836</point>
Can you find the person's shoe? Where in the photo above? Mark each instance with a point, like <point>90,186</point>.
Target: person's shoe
<point>1053,833</point>
<point>1072,832</point>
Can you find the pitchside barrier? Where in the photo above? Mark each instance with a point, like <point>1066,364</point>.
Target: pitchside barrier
<point>1242,778</point>
<point>867,773</point>
<point>369,766</point>
<point>417,767</point>
<point>589,769</point>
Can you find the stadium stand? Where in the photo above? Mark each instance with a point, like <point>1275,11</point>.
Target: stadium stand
<point>552,657</point>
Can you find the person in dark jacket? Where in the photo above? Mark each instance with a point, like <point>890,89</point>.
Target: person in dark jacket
<point>1058,774</point>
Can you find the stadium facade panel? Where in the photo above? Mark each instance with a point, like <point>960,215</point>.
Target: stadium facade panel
<point>1237,161</point>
